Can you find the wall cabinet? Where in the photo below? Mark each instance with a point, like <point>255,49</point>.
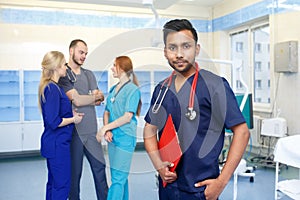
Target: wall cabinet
<point>10,137</point>
<point>31,84</point>
<point>9,95</point>
<point>20,120</point>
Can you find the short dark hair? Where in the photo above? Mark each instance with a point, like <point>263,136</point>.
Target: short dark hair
<point>74,43</point>
<point>177,25</point>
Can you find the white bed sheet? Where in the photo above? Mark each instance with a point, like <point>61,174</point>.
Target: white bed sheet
<point>290,188</point>
<point>287,150</point>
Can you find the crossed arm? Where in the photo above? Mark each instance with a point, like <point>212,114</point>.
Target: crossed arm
<point>83,100</point>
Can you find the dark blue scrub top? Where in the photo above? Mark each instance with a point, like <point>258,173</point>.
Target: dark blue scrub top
<point>202,139</point>
<point>56,107</point>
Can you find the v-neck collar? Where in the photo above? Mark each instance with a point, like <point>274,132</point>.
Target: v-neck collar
<point>115,93</point>
<point>187,81</point>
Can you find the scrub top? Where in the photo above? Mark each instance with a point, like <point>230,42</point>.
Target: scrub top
<point>56,107</point>
<point>201,140</point>
<point>126,100</point>
<point>85,82</point>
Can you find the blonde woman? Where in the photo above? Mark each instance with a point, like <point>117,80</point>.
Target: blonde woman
<point>122,105</point>
<point>59,122</point>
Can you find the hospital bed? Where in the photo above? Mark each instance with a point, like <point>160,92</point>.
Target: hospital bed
<point>287,152</point>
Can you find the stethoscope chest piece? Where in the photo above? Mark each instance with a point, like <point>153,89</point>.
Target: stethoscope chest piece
<point>112,100</point>
<point>191,114</point>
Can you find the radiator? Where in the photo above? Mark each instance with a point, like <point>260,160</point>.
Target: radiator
<point>256,131</point>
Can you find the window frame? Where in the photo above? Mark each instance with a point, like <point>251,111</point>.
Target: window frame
<point>249,28</point>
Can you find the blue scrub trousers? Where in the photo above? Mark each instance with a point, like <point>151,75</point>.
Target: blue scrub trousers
<point>120,161</point>
<point>87,145</point>
<point>173,193</point>
<point>59,176</point>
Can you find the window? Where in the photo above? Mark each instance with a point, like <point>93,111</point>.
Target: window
<point>240,57</point>
<point>258,66</point>
<point>257,99</point>
<point>239,85</point>
<point>239,47</point>
<point>251,47</point>
<point>261,72</point>
<point>257,84</point>
<point>257,48</point>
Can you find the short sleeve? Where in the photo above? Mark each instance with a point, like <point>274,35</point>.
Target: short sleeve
<point>133,101</point>
<point>92,80</point>
<point>65,83</point>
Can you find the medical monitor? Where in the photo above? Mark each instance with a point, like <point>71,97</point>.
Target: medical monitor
<point>247,111</point>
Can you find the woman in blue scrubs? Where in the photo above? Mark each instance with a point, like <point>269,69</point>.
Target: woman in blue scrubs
<point>58,125</point>
<point>122,105</point>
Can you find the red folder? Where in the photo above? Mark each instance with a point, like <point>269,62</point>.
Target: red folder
<point>168,145</point>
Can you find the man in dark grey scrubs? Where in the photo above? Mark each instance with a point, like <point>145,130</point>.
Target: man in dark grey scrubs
<point>81,88</point>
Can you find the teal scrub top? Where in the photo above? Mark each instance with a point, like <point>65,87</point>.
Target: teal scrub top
<point>126,100</point>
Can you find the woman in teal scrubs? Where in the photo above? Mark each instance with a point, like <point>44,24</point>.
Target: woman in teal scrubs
<point>122,106</point>
<point>58,126</point>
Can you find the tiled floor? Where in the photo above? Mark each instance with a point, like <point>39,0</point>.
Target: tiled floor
<point>25,178</point>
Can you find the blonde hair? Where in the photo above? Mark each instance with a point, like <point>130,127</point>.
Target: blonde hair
<point>124,62</point>
<point>51,61</point>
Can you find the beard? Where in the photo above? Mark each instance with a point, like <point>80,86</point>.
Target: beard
<point>75,61</point>
<point>184,69</point>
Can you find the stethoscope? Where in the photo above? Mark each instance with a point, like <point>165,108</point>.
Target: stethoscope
<point>191,113</point>
<point>113,98</point>
<point>72,77</point>
<point>70,74</point>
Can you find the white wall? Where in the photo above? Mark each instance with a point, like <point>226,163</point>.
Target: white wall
<point>286,27</point>
<point>23,45</point>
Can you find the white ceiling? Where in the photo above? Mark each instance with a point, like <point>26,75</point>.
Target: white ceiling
<point>158,4</point>
<point>202,3</point>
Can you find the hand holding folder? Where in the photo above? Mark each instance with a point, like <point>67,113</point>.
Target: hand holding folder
<point>168,145</point>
